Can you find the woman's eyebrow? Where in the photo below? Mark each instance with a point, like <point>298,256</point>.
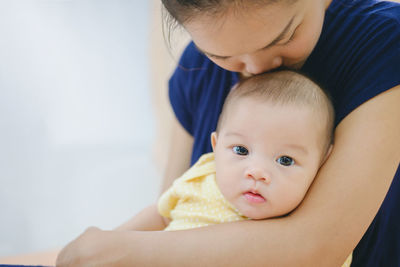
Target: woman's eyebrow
<point>274,42</point>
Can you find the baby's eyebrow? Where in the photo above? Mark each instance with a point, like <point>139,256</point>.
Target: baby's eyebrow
<point>302,149</point>
<point>274,42</point>
<point>233,134</point>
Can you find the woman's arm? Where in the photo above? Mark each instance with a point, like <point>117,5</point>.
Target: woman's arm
<point>179,153</point>
<point>147,220</point>
<point>46,258</point>
<point>178,162</point>
<point>326,227</point>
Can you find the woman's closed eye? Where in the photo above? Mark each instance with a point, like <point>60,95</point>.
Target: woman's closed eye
<point>285,161</point>
<point>216,57</point>
<point>289,40</point>
<point>240,150</point>
<point>291,36</point>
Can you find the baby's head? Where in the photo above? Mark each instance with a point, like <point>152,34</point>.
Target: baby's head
<point>274,133</point>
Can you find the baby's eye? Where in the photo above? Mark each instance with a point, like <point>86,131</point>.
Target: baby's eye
<point>240,150</point>
<point>285,161</point>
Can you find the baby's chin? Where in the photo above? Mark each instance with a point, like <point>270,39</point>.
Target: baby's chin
<point>263,216</point>
<point>257,215</point>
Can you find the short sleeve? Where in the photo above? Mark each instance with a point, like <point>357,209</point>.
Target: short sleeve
<point>167,202</point>
<point>377,68</point>
<point>182,84</point>
<point>358,54</point>
<point>197,91</point>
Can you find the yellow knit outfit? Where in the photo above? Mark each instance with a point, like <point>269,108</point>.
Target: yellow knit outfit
<point>194,200</point>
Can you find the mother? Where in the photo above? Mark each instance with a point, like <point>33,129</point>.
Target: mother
<point>350,47</point>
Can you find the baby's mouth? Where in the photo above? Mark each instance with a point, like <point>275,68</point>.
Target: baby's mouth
<point>254,197</point>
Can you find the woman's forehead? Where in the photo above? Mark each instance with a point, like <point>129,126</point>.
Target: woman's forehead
<point>235,33</point>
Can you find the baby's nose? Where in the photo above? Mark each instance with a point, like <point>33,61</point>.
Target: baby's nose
<point>258,174</point>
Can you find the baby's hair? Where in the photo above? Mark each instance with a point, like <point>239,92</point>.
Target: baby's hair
<point>284,88</point>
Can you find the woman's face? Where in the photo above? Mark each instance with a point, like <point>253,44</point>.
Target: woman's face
<point>257,40</point>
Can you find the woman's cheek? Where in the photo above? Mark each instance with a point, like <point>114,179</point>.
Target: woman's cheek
<point>297,50</point>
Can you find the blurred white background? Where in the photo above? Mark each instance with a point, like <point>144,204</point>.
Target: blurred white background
<point>76,119</point>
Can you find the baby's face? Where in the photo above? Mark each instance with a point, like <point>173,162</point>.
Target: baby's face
<point>267,156</point>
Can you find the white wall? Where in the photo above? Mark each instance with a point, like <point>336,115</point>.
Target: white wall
<point>76,121</point>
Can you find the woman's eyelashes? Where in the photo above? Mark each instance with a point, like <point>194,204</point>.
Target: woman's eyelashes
<point>240,150</point>
<point>290,39</point>
<point>216,57</point>
<point>285,161</point>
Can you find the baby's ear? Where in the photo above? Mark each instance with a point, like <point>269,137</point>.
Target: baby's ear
<point>328,152</point>
<point>213,140</point>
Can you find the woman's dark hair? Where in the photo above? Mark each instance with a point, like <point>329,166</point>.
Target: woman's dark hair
<point>182,10</point>
<point>178,12</point>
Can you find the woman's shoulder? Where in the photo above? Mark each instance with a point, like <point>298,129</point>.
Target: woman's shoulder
<point>194,71</point>
<point>372,8</point>
<point>192,60</point>
<point>365,20</point>
<point>359,17</point>
<point>359,39</point>
<point>197,91</point>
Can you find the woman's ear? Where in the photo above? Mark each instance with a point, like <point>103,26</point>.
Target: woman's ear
<point>213,140</point>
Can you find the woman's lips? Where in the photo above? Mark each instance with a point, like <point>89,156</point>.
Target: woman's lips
<point>254,197</point>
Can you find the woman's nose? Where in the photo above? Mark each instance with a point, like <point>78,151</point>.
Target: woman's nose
<point>254,64</point>
<point>258,174</point>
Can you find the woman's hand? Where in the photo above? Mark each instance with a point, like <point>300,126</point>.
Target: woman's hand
<point>82,248</point>
<point>96,248</point>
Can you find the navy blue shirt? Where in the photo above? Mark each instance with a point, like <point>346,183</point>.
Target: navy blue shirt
<point>356,58</point>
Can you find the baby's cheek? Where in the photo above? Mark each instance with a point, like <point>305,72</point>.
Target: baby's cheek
<point>293,196</point>
<point>223,184</point>
<point>228,190</point>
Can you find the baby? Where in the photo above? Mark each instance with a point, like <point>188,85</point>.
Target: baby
<point>274,133</point>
